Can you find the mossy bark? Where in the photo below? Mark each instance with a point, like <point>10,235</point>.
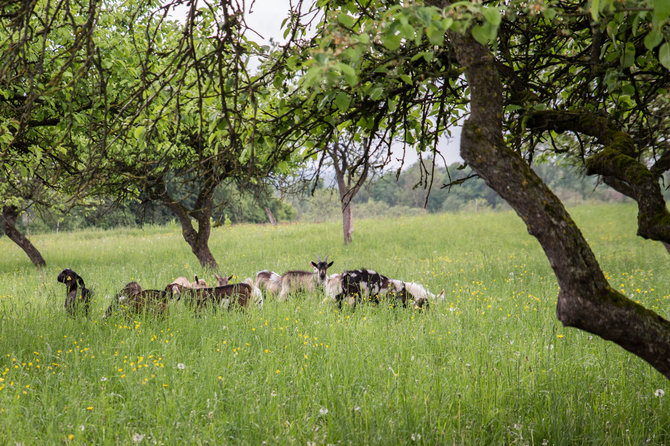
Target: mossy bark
<point>585,300</point>
<point>616,162</point>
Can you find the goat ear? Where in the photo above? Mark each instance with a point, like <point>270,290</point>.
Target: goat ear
<point>330,264</point>
<point>314,265</point>
<point>230,277</point>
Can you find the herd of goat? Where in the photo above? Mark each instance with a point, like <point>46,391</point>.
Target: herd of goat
<point>352,286</point>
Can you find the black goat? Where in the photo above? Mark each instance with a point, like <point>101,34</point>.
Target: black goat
<point>71,280</point>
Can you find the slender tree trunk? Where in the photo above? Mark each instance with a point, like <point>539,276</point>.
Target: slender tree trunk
<point>270,215</point>
<point>585,299</point>
<point>8,226</point>
<point>346,196</point>
<point>347,222</point>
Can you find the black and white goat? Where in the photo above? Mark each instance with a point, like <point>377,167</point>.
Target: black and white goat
<point>270,281</point>
<point>294,281</point>
<point>366,284</point>
<point>229,296</point>
<point>72,303</point>
<point>136,300</point>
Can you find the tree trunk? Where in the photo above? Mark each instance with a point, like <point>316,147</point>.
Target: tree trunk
<point>585,299</point>
<point>8,225</point>
<point>197,240</point>
<point>346,195</point>
<point>347,222</point>
<point>270,215</point>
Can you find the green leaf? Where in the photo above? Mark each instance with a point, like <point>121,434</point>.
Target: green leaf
<point>664,55</point>
<point>363,38</point>
<point>139,131</point>
<point>492,15</point>
<point>549,13</point>
<point>342,101</point>
<point>376,93</point>
<point>595,9</point>
<point>661,9</point>
<point>435,36</point>
<point>391,41</point>
<point>345,19</point>
<point>628,89</point>
<point>348,72</point>
<point>653,39</point>
<point>482,33</point>
<point>628,56</point>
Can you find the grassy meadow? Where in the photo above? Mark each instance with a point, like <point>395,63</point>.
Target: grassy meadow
<point>488,365</point>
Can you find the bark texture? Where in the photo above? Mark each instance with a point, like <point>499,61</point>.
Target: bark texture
<point>585,299</point>
<point>8,226</point>
<point>618,165</point>
<point>198,239</point>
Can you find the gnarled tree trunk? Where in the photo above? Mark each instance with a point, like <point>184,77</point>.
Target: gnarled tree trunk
<point>198,239</point>
<point>585,299</point>
<point>8,226</point>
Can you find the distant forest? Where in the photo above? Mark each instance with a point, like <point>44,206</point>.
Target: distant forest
<point>385,195</point>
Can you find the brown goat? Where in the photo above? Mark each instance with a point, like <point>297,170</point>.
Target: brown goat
<point>227,296</point>
<point>136,300</point>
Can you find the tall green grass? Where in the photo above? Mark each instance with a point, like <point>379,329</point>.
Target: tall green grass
<point>488,365</point>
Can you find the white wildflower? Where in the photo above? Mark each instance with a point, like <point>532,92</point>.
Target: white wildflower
<point>660,393</point>
<point>181,366</point>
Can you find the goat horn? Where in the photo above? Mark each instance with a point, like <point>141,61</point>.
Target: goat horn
<point>325,260</point>
<point>318,259</point>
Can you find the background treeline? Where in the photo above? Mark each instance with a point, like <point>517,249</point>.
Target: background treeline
<point>387,195</point>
